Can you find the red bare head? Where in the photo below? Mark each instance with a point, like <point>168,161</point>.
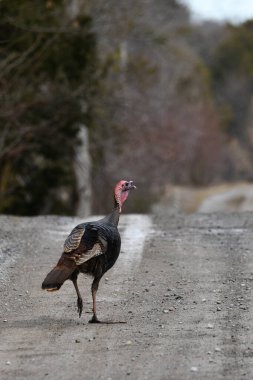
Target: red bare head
<point>121,191</point>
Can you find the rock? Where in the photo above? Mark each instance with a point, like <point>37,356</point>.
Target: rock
<point>194,369</point>
<point>210,326</point>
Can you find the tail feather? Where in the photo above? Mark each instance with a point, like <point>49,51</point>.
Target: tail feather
<point>57,277</point>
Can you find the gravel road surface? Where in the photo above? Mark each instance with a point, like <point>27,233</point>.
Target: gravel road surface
<point>183,285</point>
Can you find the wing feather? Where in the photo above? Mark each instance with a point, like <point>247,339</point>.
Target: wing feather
<point>84,243</point>
<point>73,240</point>
<point>85,256</point>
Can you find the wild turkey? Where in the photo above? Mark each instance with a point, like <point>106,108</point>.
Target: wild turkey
<point>91,248</point>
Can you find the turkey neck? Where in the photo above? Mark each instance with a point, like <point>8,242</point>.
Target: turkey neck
<point>113,217</point>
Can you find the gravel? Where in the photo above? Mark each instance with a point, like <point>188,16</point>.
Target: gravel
<point>192,319</point>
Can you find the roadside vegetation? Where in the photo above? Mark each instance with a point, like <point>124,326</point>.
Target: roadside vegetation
<point>164,101</point>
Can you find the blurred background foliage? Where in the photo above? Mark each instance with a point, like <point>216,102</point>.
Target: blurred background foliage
<point>164,101</point>
<point>48,76</point>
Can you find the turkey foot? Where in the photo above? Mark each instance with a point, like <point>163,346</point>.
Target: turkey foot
<point>94,319</point>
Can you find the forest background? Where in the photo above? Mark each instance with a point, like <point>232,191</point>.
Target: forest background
<point>164,101</point>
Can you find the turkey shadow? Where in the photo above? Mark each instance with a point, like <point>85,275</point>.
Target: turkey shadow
<point>107,322</point>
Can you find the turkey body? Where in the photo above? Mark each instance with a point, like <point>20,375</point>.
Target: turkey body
<point>91,248</point>
<point>107,237</point>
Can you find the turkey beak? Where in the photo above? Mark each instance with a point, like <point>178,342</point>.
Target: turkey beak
<point>131,185</point>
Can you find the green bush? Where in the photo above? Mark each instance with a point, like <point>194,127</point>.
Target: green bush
<point>48,79</point>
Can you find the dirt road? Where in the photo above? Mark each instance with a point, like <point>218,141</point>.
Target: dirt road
<point>182,283</point>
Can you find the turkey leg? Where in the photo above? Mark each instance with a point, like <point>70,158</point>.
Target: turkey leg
<point>79,298</point>
<point>94,319</point>
<point>94,288</point>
